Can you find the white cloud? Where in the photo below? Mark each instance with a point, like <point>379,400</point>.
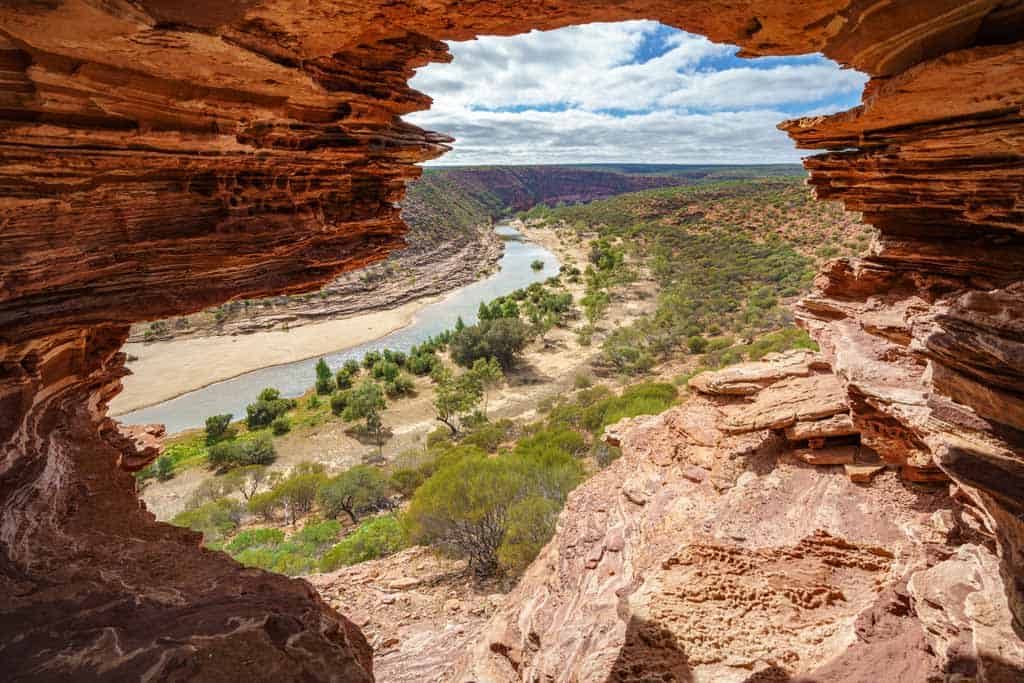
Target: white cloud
<point>580,94</point>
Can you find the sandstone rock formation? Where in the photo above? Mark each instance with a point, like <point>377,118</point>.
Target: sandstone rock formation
<point>161,157</point>
<point>705,554</point>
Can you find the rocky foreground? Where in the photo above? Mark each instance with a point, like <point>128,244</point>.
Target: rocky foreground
<point>748,536</point>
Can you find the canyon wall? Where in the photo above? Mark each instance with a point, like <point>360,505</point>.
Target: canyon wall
<point>162,157</point>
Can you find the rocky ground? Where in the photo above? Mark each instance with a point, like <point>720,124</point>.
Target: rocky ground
<point>713,550</point>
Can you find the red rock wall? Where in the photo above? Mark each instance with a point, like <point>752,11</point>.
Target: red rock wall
<point>160,157</point>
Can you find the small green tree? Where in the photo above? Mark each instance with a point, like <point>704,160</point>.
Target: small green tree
<point>365,402</point>
<point>324,378</point>
<point>247,480</point>
<point>487,374</point>
<point>356,490</point>
<point>697,344</point>
<point>281,426</point>
<point>218,428</point>
<point>537,264</point>
<point>503,338</point>
<point>215,519</point>
<point>298,493</point>
<point>339,401</point>
<point>454,397</point>
<point>463,510</point>
<point>266,505</point>
<point>164,468</point>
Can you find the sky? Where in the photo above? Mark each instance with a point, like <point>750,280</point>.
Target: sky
<point>635,91</point>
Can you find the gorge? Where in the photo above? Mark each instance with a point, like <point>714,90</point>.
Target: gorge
<point>161,159</point>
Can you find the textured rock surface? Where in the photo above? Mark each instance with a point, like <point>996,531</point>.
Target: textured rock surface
<point>763,569</point>
<point>160,157</point>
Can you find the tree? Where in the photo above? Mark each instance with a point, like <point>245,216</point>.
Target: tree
<point>595,302</point>
<point>247,480</point>
<point>343,380</point>
<point>324,378</point>
<point>488,375</point>
<point>459,324</point>
<point>356,490</point>
<point>365,403</point>
<point>281,426</point>
<point>351,366</point>
<point>339,401</point>
<point>697,344</point>
<point>501,338</point>
<point>537,264</point>
<point>218,428</point>
<point>455,397</point>
<point>268,406</point>
<point>400,386</point>
<point>386,370</point>
<point>463,510</point>
<point>164,468</point>
<point>230,454</point>
<point>265,505</point>
<point>298,493</point>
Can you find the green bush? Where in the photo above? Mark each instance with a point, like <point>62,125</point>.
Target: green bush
<point>164,468</point>
<point>537,264</point>
<point>266,505</point>
<point>466,506</point>
<point>531,524</point>
<point>215,519</point>
<point>386,370</point>
<point>298,493</point>
<point>343,380</point>
<point>218,428</point>
<point>374,538</point>
<point>649,398</point>
<point>488,435</point>
<point>268,407</point>
<point>339,401</point>
<point>422,363</point>
<point>501,338</point>
<point>258,450</point>
<point>697,344</point>
<point>355,491</point>
<point>371,358</point>
<point>250,538</point>
<point>400,386</point>
<point>324,379</point>
<point>280,426</point>
<point>351,367</point>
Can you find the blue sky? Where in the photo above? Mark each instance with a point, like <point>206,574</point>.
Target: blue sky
<point>634,91</point>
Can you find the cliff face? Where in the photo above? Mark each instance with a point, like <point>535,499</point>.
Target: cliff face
<point>162,157</point>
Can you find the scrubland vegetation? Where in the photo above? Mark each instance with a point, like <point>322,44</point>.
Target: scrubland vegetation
<point>719,263</point>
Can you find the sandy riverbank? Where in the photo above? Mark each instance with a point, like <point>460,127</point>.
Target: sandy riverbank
<point>165,370</point>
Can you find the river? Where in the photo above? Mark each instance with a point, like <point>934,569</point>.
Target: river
<point>293,379</point>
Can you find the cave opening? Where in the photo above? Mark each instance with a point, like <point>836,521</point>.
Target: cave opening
<point>130,133</point>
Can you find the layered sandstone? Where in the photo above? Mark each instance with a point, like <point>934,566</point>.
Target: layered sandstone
<point>162,157</point>
<point>705,554</point>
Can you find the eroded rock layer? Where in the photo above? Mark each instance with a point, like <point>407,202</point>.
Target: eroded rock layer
<point>160,157</point>
<point>711,553</point>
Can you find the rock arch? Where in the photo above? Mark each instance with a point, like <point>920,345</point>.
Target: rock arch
<point>160,157</point>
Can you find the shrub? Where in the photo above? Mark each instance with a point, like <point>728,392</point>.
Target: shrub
<point>343,380</point>
<point>501,338</point>
<point>386,370</point>
<point>466,506</point>
<point>280,426</point>
<point>649,398</point>
<point>531,523</point>
<point>268,406</point>
<point>250,538</point>
<point>298,493</point>
<point>537,264</point>
<point>365,403</point>
<point>405,480</point>
<point>374,538</point>
<point>339,401</point>
<point>583,380</point>
<point>357,490</point>
<point>371,358</point>
<point>324,379</point>
<point>400,386</point>
<point>318,534</point>
<point>164,468</point>
<point>218,427</point>
<point>313,402</point>
<point>351,367</point>
<point>256,451</point>
<point>265,505</point>
<point>215,519</point>
<point>488,435</point>
<point>697,344</point>
<point>422,363</point>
